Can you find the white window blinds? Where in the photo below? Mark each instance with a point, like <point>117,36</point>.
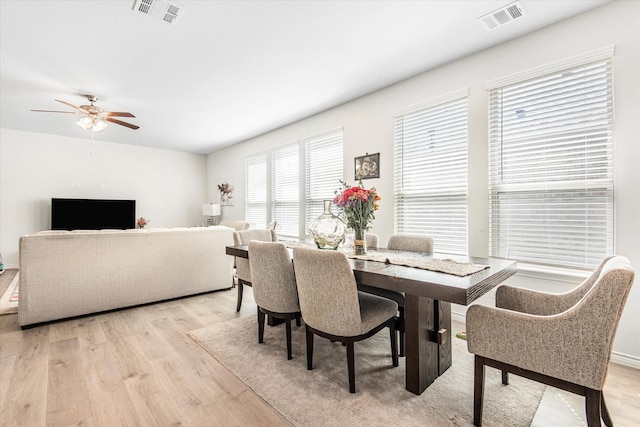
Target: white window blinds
<point>431,171</point>
<point>551,166</point>
<point>285,189</point>
<point>256,181</point>
<point>323,160</point>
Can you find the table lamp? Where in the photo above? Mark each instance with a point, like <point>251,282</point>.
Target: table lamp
<point>211,210</point>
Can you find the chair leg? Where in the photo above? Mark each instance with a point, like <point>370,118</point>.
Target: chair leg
<point>593,400</point>
<point>505,377</point>
<point>394,343</point>
<point>298,323</point>
<point>478,390</point>
<point>239,303</point>
<point>288,327</point>
<point>400,327</point>
<point>261,317</point>
<point>604,412</point>
<point>309,348</point>
<point>351,367</point>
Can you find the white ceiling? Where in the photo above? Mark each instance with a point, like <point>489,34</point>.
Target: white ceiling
<point>226,71</point>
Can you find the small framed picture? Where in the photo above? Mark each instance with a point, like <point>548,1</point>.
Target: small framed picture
<point>367,166</point>
<point>226,191</point>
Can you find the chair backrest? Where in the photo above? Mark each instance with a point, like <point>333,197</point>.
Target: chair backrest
<point>594,321</point>
<point>554,303</point>
<point>274,283</point>
<point>372,240</point>
<point>237,224</point>
<point>411,242</point>
<point>272,225</point>
<point>327,291</point>
<point>245,236</point>
<point>243,270</point>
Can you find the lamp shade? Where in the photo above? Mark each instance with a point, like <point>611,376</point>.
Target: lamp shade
<point>211,209</point>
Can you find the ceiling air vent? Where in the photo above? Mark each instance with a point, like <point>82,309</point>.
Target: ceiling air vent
<point>502,16</point>
<point>160,9</point>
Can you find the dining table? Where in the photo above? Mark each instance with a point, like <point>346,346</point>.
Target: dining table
<point>428,298</point>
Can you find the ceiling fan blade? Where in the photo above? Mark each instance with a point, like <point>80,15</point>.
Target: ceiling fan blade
<point>120,122</point>
<point>54,111</point>
<point>71,105</point>
<point>117,114</point>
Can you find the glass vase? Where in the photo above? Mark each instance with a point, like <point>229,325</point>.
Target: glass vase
<point>328,229</point>
<point>359,242</point>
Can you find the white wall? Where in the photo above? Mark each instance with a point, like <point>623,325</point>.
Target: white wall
<point>169,186</point>
<point>368,127</point>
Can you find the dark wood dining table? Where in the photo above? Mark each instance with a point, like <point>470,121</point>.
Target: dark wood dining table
<point>428,299</point>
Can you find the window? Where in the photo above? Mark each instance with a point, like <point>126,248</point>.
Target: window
<point>431,171</point>
<point>324,165</point>
<point>285,189</point>
<point>255,208</point>
<point>551,164</point>
<point>282,188</point>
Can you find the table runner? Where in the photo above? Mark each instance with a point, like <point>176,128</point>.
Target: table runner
<point>447,266</point>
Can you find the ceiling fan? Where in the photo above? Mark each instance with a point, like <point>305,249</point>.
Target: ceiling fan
<point>92,117</point>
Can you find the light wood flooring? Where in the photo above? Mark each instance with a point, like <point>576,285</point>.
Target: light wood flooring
<point>138,367</point>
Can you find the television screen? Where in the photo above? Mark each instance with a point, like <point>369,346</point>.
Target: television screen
<point>92,214</point>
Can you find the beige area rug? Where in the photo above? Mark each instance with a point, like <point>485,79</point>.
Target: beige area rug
<point>321,397</point>
<point>9,300</point>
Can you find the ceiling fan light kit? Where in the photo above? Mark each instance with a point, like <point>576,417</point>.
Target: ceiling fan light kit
<point>87,123</point>
<point>94,118</point>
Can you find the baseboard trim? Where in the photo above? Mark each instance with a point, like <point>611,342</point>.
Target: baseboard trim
<point>616,357</point>
<point>625,359</point>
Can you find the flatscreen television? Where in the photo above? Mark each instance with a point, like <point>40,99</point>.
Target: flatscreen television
<point>92,214</point>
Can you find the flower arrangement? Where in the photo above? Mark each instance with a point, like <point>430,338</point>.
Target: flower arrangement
<point>358,204</point>
<point>142,221</point>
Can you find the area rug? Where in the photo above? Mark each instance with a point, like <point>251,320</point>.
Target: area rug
<point>321,397</point>
<point>9,300</point>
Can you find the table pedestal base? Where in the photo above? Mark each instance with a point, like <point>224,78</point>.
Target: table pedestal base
<point>427,339</point>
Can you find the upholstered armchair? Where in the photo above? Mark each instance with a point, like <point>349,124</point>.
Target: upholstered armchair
<point>333,308</point>
<point>243,270</point>
<point>274,286</point>
<point>563,340</point>
<point>401,242</point>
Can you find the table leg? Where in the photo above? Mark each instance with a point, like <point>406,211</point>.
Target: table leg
<point>444,324</point>
<point>427,341</point>
<point>421,355</point>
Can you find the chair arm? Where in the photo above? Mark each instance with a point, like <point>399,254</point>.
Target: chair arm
<point>556,345</point>
<point>527,301</point>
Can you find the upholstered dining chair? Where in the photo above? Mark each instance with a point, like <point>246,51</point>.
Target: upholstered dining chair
<point>333,308</point>
<point>371,240</point>
<point>401,242</point>
<point>274,286</point>
<point>243,270</point>
<point>237,224</point>
<point>562,340</point>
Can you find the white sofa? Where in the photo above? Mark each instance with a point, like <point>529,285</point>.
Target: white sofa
<point>71,273</point>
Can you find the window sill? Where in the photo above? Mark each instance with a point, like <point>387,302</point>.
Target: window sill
<point>546,272</point>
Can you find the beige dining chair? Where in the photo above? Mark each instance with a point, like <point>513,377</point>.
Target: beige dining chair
<point>401,242</point>
<point>371,240</point>
<point>243,270</point>
<point>333,308</point>
<point>563,340</point>
<point>274,286</point>
<point>237,224</point>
